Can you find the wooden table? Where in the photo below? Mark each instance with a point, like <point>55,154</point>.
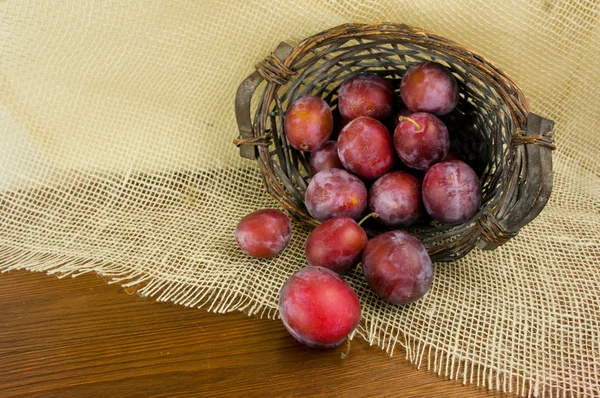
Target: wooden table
<point>84,338</point>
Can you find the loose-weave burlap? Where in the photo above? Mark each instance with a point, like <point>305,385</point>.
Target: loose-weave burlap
<point>116,157</point>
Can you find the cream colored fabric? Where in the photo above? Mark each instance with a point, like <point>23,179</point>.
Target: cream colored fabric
<point>116,157</point>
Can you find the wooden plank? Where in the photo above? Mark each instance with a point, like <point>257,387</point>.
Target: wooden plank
<point>83,338</point>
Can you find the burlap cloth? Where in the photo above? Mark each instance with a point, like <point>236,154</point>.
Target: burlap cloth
<point>116,157</point>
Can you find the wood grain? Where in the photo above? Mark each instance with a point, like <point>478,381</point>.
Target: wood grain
<point>84,338</point>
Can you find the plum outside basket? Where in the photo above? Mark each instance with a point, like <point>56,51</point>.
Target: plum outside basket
<point>491,128</point>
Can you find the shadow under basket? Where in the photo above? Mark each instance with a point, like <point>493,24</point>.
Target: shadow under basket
<point>491,128</point>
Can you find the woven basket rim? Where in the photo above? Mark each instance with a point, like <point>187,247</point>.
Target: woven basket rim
<point>527,157</point>
<point>517,105</point>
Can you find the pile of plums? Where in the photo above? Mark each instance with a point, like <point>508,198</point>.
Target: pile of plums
<point>376,166</point>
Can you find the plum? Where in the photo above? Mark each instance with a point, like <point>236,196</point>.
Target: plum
<point>308,123</point>
<point>336,244</point>
<point>366,95</point>
<point>429,87</point>
<point>335,192</point>
<point>264,233</point>
<point>451,192</point>
<point>397,267</point>
<point>365,148</point>
<point>318,308</point>
<point>396,198</point>
<point>421,140</point>
<point>325,158</point>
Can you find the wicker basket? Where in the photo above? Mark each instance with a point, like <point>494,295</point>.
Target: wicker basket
<point>492,128</point>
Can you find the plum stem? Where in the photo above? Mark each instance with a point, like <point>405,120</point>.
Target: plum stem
<point>348,346</point>
<point>407,119</point>
<point>365,218</point>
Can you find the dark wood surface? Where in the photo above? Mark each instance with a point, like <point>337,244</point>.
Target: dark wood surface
<point>84,338</point>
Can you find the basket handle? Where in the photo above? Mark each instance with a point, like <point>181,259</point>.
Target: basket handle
<point>537,145</point>
<point>246,140</point>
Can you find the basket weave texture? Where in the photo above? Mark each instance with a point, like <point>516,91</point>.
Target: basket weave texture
<point>491,128</point>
